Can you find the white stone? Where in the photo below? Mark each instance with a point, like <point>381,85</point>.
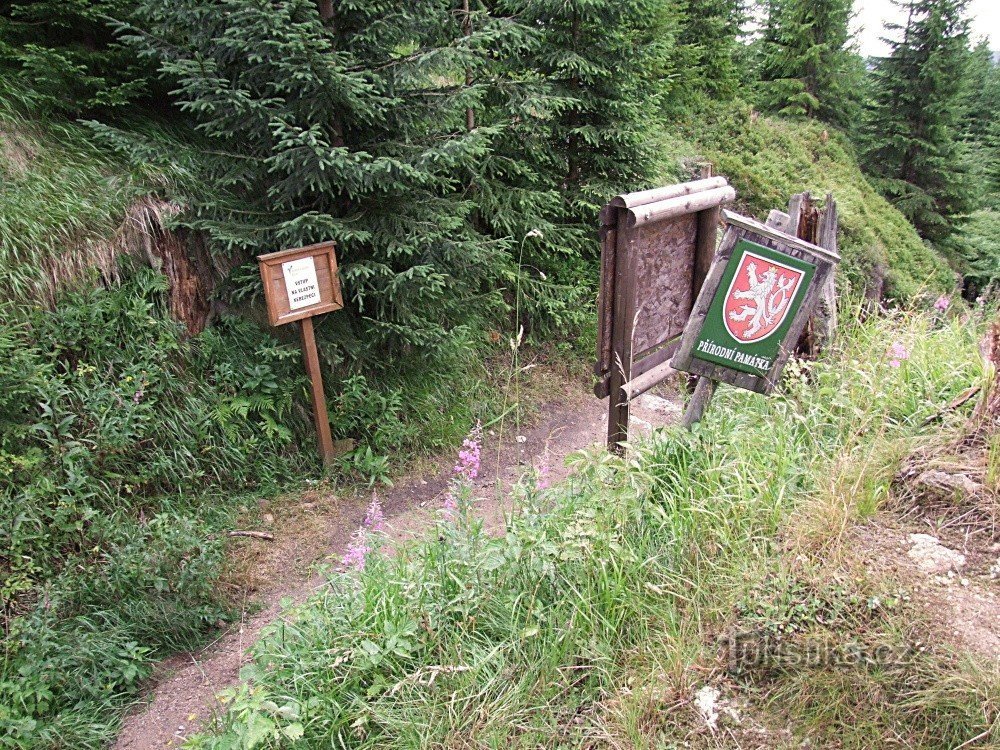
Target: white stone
<point>932,557</point>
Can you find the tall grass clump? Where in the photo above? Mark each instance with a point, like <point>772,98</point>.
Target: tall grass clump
<point>590,621</point>
<point>62,201</point>
<point>124,448</point>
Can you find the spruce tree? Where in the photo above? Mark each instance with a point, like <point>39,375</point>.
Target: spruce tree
<point>805,68</point>
<point>66,57</point>
<point>604,66</point>
<point>708,49</point>
<point>345,121</point>
<point>980,127</point>
<point>913,145</point>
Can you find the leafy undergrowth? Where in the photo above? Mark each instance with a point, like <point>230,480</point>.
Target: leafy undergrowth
<point>127,449</point>
<point>768,159</point>
<point>123,449</point>
<point>595,619</point>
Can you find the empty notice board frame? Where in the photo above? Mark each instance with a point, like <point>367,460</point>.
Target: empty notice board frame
<point>656,249</point>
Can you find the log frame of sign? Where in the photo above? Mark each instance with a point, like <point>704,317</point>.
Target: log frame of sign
<point>656,249</point>
<point>323,276</point>
<point>744,228</point>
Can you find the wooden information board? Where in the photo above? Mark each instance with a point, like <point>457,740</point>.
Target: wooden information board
<point>656,246</point>
<point>298,284</point>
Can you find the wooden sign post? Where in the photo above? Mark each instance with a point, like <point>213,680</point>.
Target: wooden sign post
<point>752,308</point>
<point>656,247</point>
<point>299,284</point>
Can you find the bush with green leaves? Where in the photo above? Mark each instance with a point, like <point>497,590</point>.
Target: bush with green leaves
<point>588,616</point>
<point>124,448</point>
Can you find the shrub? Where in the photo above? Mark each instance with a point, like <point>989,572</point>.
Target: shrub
<point>122,445</point>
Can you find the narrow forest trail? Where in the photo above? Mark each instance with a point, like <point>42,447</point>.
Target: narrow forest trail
<point>183,693</point>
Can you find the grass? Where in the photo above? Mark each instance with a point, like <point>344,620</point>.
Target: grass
<point>768,159</point>
<point>62,201</point>
<point>595,618</point>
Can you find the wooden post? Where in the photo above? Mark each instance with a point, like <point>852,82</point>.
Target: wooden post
<point>311,356</point>
<point>703,393</point>
<point>621,350</point>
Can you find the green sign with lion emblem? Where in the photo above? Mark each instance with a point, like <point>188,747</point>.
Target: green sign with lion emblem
<point>760,292</point>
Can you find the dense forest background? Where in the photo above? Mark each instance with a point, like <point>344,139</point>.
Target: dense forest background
<point>458,152</point>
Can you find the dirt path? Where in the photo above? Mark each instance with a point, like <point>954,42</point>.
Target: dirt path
<point>317,526</point>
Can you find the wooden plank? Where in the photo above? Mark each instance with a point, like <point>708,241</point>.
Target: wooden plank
<point>788,240</point>
<point>605,311</point>
<point>647,380</point>
<point>311,357</point>
<point>631,200</point>
<point>668,209</point>
<point>624,312</point>
<point>703,393</point>
<point>662,258</point>
<point>708,235</point>
<point>777,220</point>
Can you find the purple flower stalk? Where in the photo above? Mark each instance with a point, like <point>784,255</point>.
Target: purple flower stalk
<point>468,464</point>
<point>357,554</point>
<point>542,482</point>
<point>942,303</point>
<point>898,354</point>
<point>374,517</point>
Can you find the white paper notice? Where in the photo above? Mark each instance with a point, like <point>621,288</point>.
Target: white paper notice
<point>301,283</point>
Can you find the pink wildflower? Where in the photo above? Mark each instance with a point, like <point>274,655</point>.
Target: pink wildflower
<point>357,553</point>
<point>542,481</point>
<point>450,504</point>
<point>375,518</point>
<point>898,353</point>
<point>942,303</point>
<point>468,457</point>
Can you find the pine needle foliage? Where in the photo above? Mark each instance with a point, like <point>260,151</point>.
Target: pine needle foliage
<point>65,51</point>
<point>913,145</point>
<point>805,67</point>
<point>349,127</point>
<point>602,63</point>
<point>709,51</point>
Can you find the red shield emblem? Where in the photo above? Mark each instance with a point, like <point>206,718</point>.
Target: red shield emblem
<point>759,297</point>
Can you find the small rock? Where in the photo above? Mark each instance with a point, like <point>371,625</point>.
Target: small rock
<point>658,405</point>
<point>268,519</point>
<point>521,439</point>
<point>932,557</point>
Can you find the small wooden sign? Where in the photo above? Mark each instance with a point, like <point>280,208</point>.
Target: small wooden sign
<point>299,284</point>
<point>753,305</point>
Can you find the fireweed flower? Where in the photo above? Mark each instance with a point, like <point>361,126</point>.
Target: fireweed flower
<point>357,553</point>
<point>374,517</point>
<point>360,547</point>
<point>468,464</point>
<point>898,353</point>
<point>942,303</point>
<point>542,481</point>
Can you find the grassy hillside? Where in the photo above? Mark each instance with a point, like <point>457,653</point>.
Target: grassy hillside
<point>768,159</point>
<point>62,204</point>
